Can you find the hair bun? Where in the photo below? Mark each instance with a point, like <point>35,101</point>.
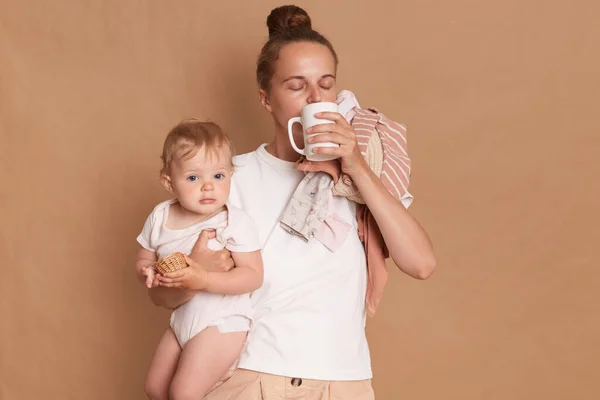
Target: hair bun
<point>285,18</point>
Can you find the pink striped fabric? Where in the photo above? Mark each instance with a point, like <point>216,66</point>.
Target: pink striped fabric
<point>395,176</point>
<point>395,173</point>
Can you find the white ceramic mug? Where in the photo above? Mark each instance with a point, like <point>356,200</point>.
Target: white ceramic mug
<point>307,119</point>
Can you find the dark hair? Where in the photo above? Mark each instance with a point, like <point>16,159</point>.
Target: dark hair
<point>287,24</point>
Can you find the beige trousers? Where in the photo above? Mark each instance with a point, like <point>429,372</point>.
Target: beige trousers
<point>252,385</point>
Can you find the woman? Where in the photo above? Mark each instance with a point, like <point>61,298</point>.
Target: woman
<point>308,339</point>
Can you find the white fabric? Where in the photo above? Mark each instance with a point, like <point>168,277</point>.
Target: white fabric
<point>347,102</point>
<point>310,312</point>
<point>235,231</point>
<point>232,323</point>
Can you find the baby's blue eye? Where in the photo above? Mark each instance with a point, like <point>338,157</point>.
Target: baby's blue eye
<point>192,178</point>
<point>219,176</point>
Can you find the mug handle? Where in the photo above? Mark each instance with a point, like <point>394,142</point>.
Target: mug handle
<point>291,122</point>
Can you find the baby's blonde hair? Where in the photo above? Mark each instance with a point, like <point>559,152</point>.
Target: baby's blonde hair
<point>189,136</point>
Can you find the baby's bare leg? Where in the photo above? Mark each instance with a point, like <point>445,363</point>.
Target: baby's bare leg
<point>163,367</point>
<point>204,360</point>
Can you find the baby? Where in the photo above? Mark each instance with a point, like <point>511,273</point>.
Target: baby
<point>208,332</point>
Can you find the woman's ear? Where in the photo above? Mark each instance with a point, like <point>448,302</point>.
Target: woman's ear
<point>264,100</point>
<point>165,180</point>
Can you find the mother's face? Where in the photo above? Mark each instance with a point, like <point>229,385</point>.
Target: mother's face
<point>304,74</point>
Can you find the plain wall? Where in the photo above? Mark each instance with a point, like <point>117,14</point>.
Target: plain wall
<point>501,103</point>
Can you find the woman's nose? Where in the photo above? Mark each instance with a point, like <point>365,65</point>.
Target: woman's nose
<point>314,96</point>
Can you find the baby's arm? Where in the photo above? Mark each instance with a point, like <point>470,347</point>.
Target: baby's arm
<point>246,277</point>
<point>145,260</point>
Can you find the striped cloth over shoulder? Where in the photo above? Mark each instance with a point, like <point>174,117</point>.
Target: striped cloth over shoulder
<point>383,144</point>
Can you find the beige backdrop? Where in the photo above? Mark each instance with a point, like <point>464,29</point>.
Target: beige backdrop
<point>501,102</point>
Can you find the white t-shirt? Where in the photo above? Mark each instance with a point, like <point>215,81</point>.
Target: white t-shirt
<point>309,315</point>
<point>234,228</point>
<point>234,231</point>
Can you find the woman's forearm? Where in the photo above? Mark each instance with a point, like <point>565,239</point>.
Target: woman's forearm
<point>407,242</point>
<point>170,298</point>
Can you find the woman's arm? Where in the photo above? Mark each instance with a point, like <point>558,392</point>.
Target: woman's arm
<point>407,242</point>
<point>168,297</point>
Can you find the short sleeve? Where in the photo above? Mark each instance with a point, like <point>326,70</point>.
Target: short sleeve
<point>144,237</point>
<point>243,236</point>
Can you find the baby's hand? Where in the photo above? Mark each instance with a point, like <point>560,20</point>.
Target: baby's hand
<point>192,277</point>
<point>150,274</point>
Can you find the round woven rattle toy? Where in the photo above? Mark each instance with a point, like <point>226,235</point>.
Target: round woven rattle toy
<point>171,263</point>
